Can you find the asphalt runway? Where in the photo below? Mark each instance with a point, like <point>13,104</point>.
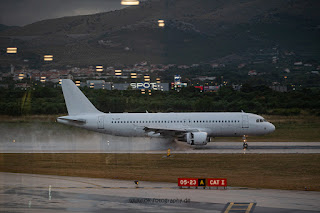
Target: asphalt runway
<point>113,144</point>
<point>48,193</point>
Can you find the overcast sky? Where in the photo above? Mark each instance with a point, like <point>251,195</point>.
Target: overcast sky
<point>22,12</point>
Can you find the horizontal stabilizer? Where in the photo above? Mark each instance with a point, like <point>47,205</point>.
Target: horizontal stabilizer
<point>69,119</point>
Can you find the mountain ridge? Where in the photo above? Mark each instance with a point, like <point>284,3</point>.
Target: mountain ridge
<point>195,31</point>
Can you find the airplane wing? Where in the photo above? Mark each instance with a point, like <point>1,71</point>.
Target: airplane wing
<point>169,131</point>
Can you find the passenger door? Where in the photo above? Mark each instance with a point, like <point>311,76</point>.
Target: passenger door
<point>245,121</point>
<point>100,122</point>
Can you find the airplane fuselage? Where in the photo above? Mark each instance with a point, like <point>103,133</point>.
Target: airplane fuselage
<point>228,124</point>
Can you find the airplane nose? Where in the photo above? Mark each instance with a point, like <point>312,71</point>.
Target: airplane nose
<point>272,128</point>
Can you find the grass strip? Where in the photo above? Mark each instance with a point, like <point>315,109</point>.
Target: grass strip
<point>275,171</point>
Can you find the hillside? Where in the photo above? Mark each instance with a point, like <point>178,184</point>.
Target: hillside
<point>196,31</point>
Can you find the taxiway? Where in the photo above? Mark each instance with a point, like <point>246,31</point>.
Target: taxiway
<point>48,193</point>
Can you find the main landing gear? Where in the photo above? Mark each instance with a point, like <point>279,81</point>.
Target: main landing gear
<point>245,145</point>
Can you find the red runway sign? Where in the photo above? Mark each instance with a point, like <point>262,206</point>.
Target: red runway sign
<point>187,181</point>
<point>197,182</point>
<point>216,182</point>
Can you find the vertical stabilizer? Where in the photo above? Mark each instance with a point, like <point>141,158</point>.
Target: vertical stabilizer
<point>77,103</point>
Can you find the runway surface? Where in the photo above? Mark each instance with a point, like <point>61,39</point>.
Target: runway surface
<point>155,146</point>
<point>48,193</point>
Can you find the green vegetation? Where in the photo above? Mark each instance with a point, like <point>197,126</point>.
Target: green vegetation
<point>278,171</point>
<point>260,99</point>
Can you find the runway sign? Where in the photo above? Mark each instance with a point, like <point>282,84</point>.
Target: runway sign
<point>217,182</point>
<point>187,182</point>
<point>198,182</point>
<point>202,182</point>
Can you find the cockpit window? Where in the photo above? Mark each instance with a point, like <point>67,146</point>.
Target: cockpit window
<point>261,120</point>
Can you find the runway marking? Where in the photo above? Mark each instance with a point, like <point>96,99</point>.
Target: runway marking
<point>228,207</point>
<point>66,179</point>
<point>239,207</point>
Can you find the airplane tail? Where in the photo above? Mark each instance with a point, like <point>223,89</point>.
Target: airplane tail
<point>77,103</point>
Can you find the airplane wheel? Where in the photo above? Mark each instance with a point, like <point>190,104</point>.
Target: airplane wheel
<point>245,145</point>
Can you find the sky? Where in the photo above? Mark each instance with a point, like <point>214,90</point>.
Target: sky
<point>23,12</point>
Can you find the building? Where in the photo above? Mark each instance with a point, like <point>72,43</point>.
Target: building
<point>139,86</point>
<point>99,84</point>
<point>279,88</point>
<point>211,88</point>
<point>120,86</point>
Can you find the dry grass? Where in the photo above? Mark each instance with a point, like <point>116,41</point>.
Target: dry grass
<point>278,171</point>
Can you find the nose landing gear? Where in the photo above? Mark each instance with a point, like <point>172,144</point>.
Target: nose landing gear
<point>245,145</point>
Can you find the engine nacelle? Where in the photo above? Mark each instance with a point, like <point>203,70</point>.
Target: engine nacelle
<point>153,135</point>
<point>196,138</point>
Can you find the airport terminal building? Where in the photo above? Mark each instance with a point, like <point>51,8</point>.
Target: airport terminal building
<point>101,84</point>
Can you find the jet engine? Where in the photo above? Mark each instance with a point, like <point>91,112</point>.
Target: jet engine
<point>196,138</point>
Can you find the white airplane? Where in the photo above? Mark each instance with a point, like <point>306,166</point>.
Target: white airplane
<point>193,128</point>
